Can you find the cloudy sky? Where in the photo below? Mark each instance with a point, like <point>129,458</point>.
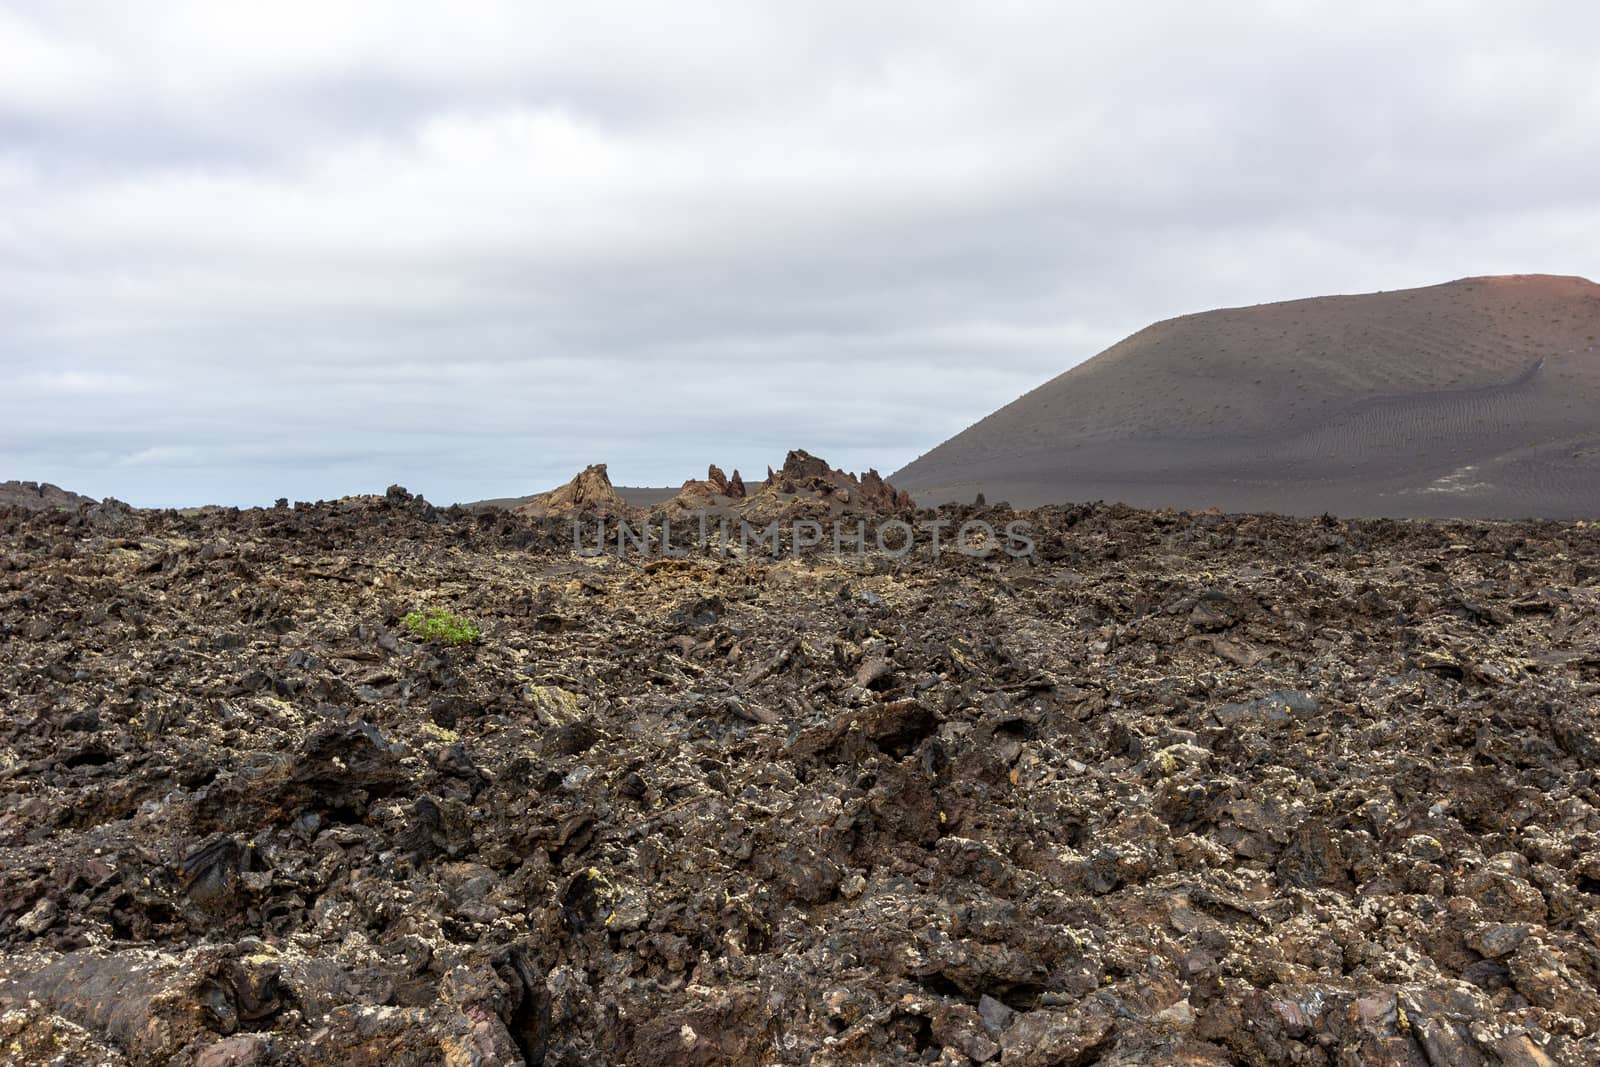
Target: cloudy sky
<point>308,249</point>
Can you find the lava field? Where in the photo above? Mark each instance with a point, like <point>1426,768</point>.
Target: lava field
<point>1178,789</point>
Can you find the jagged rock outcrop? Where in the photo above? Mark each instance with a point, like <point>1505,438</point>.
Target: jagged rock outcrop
<point>588,493</point>
<point>716,489</point>
<point>807,487</point>
<point>881,496</point>
<point>37,496</point>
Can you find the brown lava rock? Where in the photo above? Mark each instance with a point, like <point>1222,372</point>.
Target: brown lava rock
<point>1180,789</point>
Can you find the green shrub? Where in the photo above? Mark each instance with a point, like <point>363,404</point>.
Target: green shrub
<point>440,625</point>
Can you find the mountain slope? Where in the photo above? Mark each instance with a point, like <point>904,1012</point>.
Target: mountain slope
<point>1479,397</point>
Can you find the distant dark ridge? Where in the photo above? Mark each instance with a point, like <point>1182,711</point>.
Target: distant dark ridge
<point>39,496</point>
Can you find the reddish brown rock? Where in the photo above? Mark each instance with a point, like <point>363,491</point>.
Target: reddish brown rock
<point>806,487</point>
<point>588,493</point>
<point>715,489</point>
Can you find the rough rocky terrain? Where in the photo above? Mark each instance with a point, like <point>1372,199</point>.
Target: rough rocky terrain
<point>716,489</point>
<point>39,495</point>
<point>1473,398</point>
<point>805,487</point>
<point>633,496</point>
<point>1183,789</point>
<point>589,492</point>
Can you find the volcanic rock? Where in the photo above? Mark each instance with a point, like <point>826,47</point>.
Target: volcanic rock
<point>1177,789</point>
<point>806,487</point>
<point>39,495</point>
<point>715,490</point>
<point>588,493</point>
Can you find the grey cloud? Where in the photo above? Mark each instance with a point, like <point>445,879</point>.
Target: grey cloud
<point>307,250</point>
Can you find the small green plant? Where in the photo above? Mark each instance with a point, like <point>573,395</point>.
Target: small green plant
<point>440,625</point>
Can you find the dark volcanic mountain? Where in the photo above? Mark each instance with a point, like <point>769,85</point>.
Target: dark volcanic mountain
<point>1475,398</point>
